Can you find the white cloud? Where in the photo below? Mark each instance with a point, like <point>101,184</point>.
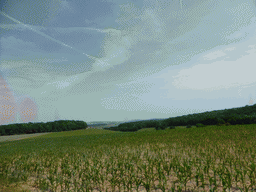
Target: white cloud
<point>116,49</point>
<point>229,67</point>
<point>230,49</point>
<point>214,55</point>
<point>14,43</point>
<point>64,83</point>
<point>150,31</point>
<point>66,6</point>
<point>252,50</point>
<point>5,64</point>
<point>218,75</point>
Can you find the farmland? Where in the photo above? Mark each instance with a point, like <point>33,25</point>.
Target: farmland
<point>211,158</point>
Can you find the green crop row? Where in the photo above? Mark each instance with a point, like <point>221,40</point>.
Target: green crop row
<point>212,158</point>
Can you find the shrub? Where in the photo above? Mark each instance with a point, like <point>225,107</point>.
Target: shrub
<point>157,126</point>
<point>29,131</point>
<point>3,132</point>
<point>172,127</point>
<point>188,126</point>
<point>227,124</point>
<point>209,121</point>
<point>161,125</point>
<point>71,125</point>
<point>200,125</point>
<point>139,126</point>
<point>220,121</point>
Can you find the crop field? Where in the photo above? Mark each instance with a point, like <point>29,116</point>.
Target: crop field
<point>18,137</point>
<point>211,158</point>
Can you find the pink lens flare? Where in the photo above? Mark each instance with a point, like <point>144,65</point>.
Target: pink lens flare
<point>28,110</point>
<point>8,106</point>
<point>251,101</point>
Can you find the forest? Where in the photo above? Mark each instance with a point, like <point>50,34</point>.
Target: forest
<point>233,116</point>
<point>28,128</point>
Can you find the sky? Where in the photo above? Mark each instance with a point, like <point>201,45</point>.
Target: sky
<point>120,60</point>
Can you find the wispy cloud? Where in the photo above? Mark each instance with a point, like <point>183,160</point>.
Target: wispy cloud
<point>143,59</point>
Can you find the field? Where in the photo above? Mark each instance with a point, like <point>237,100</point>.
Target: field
<point>18,137</point>
<point>212,158</point>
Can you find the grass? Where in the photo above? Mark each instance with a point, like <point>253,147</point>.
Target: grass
<point>212,158</point>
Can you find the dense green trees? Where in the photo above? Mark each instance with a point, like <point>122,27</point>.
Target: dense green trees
<point>81,124</point>
<point>243,115</point>
<point>161,125</point>
<point>40,127</point>
<point>200,125</point>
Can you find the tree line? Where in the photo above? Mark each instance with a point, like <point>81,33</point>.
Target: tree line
<point>240,116</point>
<point>41,127</point>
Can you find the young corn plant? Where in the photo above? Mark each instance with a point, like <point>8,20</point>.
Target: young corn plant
<point>218,158</point>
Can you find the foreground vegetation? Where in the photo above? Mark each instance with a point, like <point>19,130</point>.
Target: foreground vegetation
<point>212,158</point>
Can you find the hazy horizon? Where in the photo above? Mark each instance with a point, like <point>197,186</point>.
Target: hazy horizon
<point>120,60</point>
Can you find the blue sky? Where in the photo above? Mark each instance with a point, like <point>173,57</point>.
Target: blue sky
<point>115,60</point>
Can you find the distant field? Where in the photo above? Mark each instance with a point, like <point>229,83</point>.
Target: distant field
<point>18,137</point>
<point>25,136</point>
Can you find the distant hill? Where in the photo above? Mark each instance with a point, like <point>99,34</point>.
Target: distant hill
<point>98,123</point>
<point>135,120</point>
<point>245,110</point>
<point>238,115</point>
<point>102,122</point>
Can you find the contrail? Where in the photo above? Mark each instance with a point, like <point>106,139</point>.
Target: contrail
<point>50,87</point>
<point>48,37</point>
